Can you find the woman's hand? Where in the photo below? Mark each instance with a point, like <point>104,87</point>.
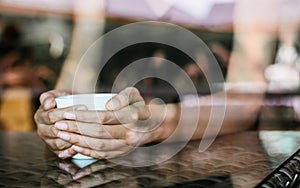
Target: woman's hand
<point>127,123</point>
<point>45,117</point>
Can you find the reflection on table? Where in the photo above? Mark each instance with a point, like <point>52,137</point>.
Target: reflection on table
<point>237,160</point>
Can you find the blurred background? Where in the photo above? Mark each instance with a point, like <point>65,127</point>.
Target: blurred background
<point>36,39</point>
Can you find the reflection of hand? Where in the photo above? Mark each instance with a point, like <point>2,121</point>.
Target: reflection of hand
<point>107,134</point>
<point>96,174</point>
<point>45,117</point>
<point>77,172</point>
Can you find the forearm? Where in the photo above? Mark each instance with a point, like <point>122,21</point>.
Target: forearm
<point>241,110</point>
<point>89,25</point>
<point>233,112</point>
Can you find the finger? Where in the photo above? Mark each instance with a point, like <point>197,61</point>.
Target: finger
<point>47,99</point>
<point>126,97</point>
<point>48,117</point>
<point>57,144</point>
<point>125,115</point>
<point>98,166</point>
<point>93,143</point>
<point>60,178</point>
<point>67,153</point>
<point>99,178</point>
<point>63,179</point>
<point>95,167</point>
<point>53,115</point>
<point>85,132</point>
<point>101,154</point>
<point>69,167</point>
<point>46,131</point>
<point>61,153</point>
<point>64,154</point>
<point>92,129</point>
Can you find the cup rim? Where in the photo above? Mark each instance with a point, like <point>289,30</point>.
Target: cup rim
<point>71,96</point>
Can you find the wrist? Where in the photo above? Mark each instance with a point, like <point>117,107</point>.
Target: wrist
<point>169,123</point>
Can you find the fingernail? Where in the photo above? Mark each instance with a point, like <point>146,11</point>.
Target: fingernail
<point>63,154</point>
<point>63,135</point>
<point>69,115</point>
<point>47,103</point>
<point>64,166</point>
<point>78,175</point>
<point>61,125</point>
<point>77,148</point>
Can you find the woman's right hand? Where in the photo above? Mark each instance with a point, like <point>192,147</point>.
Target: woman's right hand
<point>45,118</point>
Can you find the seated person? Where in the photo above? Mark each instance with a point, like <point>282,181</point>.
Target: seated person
<point>130,122</point>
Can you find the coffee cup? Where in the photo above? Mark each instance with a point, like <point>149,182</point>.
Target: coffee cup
<point>93,101</point>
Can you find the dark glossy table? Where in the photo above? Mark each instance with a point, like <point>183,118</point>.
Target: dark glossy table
<point>237,160</point>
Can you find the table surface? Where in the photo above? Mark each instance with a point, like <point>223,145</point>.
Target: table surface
<point>236,160</point>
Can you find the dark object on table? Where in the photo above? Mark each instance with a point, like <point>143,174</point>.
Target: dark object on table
<point>286,175</point>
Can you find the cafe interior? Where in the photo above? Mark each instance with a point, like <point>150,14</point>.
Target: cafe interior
<point>170,50</point>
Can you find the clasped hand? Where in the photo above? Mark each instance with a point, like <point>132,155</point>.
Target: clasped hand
<point>127,123</point>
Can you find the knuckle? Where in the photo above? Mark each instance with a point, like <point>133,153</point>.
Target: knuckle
<point>132,89</point>
<point>53,130</point>
<point>99,155</point>
<point>51,117</point>
<point>134,116</point>
<point>134,92</point>
<point>75,140</point>
<point>72,125</point>
<point>128,89</point>
<point>130,138</point>
<point>103,118</point>
<point>60,144</point>
<point>87,152</point>
<point>37,115</point>
<point>99,146</point>
<point>100,130</point>
<point>42,97</point>
<point>146,113</point>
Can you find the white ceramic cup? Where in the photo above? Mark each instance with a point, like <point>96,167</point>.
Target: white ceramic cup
<point>95,101</point>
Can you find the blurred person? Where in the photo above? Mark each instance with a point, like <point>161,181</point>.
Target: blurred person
<point>289,25</point>
<point>103,134</point>
<point>18,81</point>
<point>16,62</point>
<point>284,73</point>
<point>89,23</point>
